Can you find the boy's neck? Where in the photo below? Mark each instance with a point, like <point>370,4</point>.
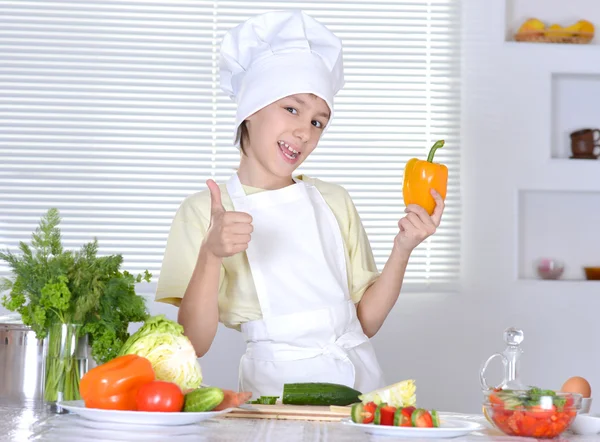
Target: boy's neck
<point>254,176</point>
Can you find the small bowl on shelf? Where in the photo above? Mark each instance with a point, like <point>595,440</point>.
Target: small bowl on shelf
<point>592,273</point>
<point>549,268</point>
<point>541,414</point>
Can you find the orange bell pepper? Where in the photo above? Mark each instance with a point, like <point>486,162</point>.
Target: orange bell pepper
<point>114,385</point>
<point>422,176</point>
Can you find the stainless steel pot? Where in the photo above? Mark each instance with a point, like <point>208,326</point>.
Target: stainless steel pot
<point>21,363</point>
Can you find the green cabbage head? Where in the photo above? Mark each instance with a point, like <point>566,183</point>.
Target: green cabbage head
<point>170,352</point>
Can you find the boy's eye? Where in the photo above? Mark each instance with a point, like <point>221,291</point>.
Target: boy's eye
<point>294,111</point>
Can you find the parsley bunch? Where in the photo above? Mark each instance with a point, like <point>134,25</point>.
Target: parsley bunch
<point>52,285</point>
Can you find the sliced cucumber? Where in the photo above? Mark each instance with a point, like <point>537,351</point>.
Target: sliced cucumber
<point>266,400</point>
<point>357,413</point>
<point>377,420</point>
<point>416,415</point>
<point>435,418</point>
<point>398,417</point>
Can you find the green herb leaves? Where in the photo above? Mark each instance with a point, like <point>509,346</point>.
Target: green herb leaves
<point>52,285</point>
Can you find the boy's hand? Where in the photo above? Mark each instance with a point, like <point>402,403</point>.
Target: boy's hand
<point>229,232</point>
<point>417,225</point>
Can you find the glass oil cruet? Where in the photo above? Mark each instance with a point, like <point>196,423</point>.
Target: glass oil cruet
<point>513,337</point>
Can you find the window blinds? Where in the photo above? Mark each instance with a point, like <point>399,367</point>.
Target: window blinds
<point>111,111</point>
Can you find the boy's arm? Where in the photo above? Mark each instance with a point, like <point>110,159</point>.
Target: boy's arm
<point>227,235</point>
<point>199,309</point>
<point>379,299</point>
<point>191,277</point>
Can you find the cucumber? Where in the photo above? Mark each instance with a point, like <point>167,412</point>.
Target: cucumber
<point>416,415</point>
<point>435,418</point>
<point>357,413</point>
<point>377,420</point>
<point>319,393</point>
<point>203,399</point>
<point>401,419</point>
<point>266,400</point>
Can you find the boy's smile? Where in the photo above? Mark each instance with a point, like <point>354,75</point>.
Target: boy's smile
<point>289,152</point>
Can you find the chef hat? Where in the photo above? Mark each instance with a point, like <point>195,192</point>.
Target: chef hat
<point>277,54</point>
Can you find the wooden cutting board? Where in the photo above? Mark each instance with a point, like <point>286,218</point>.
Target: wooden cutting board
<point>292,412</point>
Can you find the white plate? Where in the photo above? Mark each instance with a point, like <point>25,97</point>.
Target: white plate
<point>139,417</point>
<point>132,428</point>
<point>449,428</point>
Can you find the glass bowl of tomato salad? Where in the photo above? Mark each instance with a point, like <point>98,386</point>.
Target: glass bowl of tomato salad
<point>542,414</point>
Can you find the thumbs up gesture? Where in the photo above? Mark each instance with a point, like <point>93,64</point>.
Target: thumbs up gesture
<point>228,232</point>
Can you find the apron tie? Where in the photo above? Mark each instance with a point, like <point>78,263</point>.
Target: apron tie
<point>266,350</point>
<point>335,351</point>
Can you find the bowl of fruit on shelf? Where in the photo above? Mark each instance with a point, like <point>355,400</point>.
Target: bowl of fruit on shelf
<point>542,414</point>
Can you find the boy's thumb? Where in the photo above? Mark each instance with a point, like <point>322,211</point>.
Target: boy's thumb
<point>216,206</point>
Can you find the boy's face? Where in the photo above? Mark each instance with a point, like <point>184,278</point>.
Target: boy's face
<point>283,134</point>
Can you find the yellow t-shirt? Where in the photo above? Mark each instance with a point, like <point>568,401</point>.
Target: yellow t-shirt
<point>238,302</point>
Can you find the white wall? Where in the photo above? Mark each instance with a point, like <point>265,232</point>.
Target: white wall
<point>441,340</point>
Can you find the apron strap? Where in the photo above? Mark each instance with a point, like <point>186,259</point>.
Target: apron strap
<point>234,187</point>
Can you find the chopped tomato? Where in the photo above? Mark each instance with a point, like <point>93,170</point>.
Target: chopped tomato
<point>533,422</point>
<point>542,413</point>
<point>369,412</point>
<point>363,413</point>
<point>409,410</point>
<point>422,418</point>
<point>384,415</point>
<point>402,418</point>
<point>495,400</point>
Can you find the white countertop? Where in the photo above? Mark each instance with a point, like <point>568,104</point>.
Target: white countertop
<point>22,422</point>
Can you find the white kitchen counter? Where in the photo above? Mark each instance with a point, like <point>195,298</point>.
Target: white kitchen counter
<point>22,422</point>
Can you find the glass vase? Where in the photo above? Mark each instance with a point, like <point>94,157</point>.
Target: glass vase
<point>65,362</point>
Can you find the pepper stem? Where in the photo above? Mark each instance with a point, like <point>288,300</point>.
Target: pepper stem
<point>435,147</point>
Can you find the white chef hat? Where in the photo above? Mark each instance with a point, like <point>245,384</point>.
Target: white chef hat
<point>277,54</point>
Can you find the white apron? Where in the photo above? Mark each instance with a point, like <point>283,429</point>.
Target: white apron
<point>309,331</point>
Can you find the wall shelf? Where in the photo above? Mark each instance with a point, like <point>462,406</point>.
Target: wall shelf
<point>561,225</point>
<point>575,105</point>
<point>556,175</point>
<point>574,282</point>
<point>550,12</point>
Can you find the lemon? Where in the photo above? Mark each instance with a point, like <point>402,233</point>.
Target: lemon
<point>586,27</point>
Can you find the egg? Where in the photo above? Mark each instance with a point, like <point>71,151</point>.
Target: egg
<point>577,384</point>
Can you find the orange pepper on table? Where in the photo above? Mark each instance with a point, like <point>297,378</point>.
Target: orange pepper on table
<point>114,385</point>
<point>420,176</point>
